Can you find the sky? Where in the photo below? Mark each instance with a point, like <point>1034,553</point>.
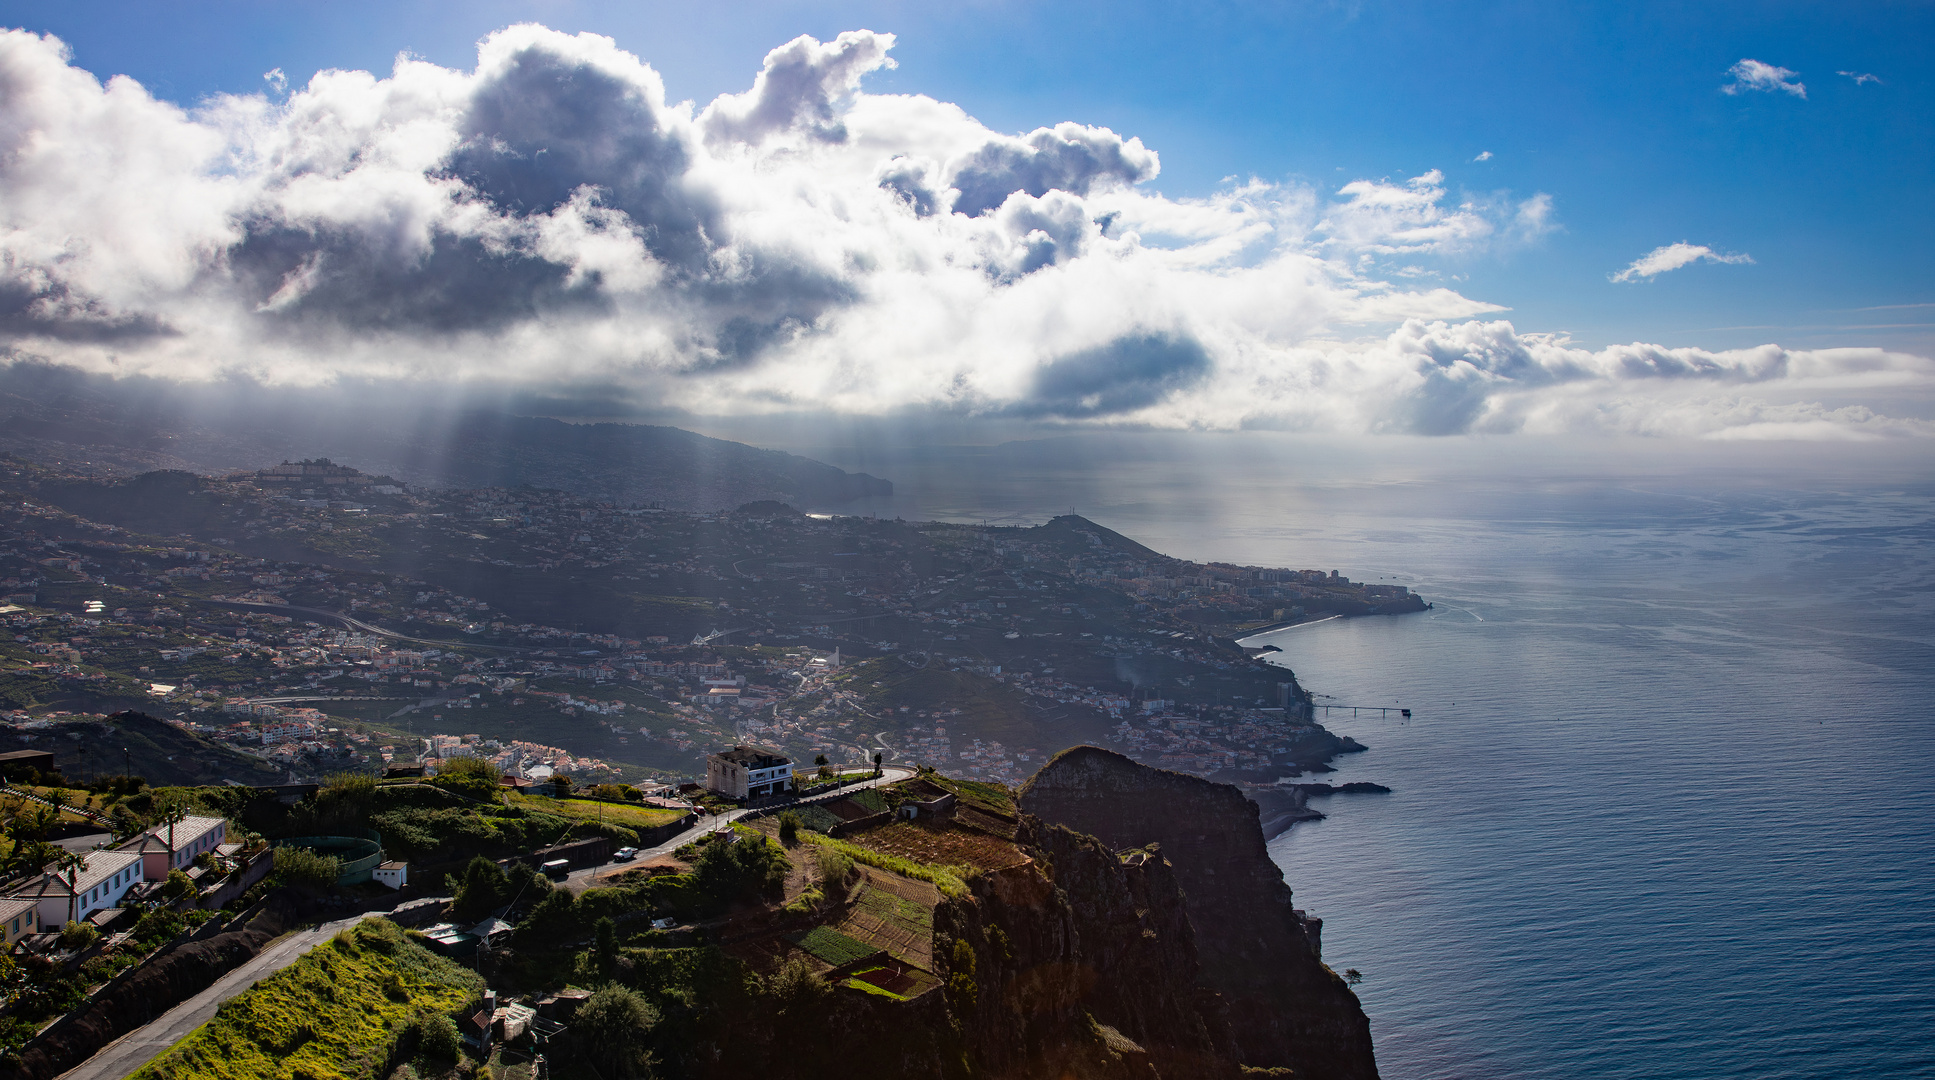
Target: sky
<point>1419,218</point>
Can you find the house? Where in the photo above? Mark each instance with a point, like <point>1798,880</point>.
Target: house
<point>19,918</point>
<point>748,772</point>
<point>103,878</point>
<point>394,874</point>
<point>174,847</point>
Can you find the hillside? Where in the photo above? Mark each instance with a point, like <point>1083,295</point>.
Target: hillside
<point>338,1011</point>
<point>99,426</point>
<point>142,744</point>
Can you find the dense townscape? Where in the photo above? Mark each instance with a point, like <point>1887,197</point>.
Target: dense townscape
<point>319,618</point>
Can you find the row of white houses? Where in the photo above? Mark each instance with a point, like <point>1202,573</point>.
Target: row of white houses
<point>105,876</point>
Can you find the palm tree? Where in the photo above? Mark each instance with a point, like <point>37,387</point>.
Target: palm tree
<point>172,812</point>
<point>71,864</point>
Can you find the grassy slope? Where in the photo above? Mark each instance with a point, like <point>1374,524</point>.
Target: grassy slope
<point>325,1015</point>
<point>632,817</point>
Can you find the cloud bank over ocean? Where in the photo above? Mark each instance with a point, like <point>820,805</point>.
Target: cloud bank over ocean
<point>549,220</point>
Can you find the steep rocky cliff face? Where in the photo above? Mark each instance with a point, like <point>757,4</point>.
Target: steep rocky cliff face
<point>1284,1008</point>
<point>1083,964</point>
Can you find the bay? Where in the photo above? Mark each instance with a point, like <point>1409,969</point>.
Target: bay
<point>1666,806</point>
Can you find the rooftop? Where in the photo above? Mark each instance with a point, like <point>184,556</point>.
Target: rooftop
<point>754,757</point>
<point>96,867</point>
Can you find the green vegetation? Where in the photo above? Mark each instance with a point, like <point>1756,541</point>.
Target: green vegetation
<point>961,988</point>
<point>815,817</point>
<point>831,945</point>
<point>948,879</point>
<point>591,810</point>
<point>613,1025</point>
<point>835,868</point>
<point>305,869</point>
<point>996,797</point>
<point>339,1011</point>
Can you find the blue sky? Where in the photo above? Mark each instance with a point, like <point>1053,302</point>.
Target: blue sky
<point>1614,109</point>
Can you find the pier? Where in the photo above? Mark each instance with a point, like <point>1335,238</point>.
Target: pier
<point>1382,710</point>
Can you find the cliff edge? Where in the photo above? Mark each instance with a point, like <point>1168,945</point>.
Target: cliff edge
<point>1285,1008</point>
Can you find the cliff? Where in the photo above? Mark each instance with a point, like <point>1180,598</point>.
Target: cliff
<point>1284,1007</point>
<point>1083,965</point>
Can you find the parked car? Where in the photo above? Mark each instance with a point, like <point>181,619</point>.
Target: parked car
<point>624,854</point>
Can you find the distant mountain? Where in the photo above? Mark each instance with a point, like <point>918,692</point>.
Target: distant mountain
<point>91,423</point>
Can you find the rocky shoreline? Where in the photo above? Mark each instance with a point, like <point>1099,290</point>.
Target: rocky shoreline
<point>1280,806</point>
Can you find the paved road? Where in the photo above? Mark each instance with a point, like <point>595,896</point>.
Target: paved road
<point>135,1049</point>
<point>580,880</point>
<point>355,623</point>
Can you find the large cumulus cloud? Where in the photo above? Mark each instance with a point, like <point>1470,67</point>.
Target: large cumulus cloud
<point>551,219</point>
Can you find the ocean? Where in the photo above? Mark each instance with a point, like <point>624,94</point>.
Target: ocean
<point>1666,804</point>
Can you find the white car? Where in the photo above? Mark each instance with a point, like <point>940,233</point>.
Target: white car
<point>624,854</point>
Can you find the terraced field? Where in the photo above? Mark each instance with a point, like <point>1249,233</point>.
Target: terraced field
<point>894,913</point>
<point>831,945</point>
<point>942,845</point>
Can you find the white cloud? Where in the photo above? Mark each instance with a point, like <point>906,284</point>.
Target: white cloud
<point>1483,155</point>
<point>1860,77</point>
<point>1672,257</point>
<point>549,221</point>
<point>1754,75</point>
<point>1382,218</point>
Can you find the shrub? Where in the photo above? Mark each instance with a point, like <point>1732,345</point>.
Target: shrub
<point>835,867</point>
<point>78,935</point>
<point>611,1028</point>
<point>789,828</point>
<point>960,984</point>
<point>302,868</point>
<point>178,885</point>
<point>437,1037</point>
<point>345,801</point>
<point>469,776</point>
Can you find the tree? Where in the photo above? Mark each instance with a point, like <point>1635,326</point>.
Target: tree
<point>878,757</point>
<point>437,1037</point>
<point>71,865</point>
<point>172,809</point>
<point>820,760</point>
<point>789,828</point>
<point>960,982</point>
<point>1352,976</point>
<point>482,889</point>
<point>605,946</point>
<point>472,776</point>
<point>178,885</point>
<point>611,1028</point>
<point>78,935</point>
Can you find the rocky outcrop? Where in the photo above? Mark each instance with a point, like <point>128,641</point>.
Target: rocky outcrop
<point>1284,1008</point>
<point>1083,964</point>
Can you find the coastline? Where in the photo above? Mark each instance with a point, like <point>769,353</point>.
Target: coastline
<point>1281,807</point>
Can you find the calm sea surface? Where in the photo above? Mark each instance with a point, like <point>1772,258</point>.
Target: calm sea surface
<point>1666,807</point>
